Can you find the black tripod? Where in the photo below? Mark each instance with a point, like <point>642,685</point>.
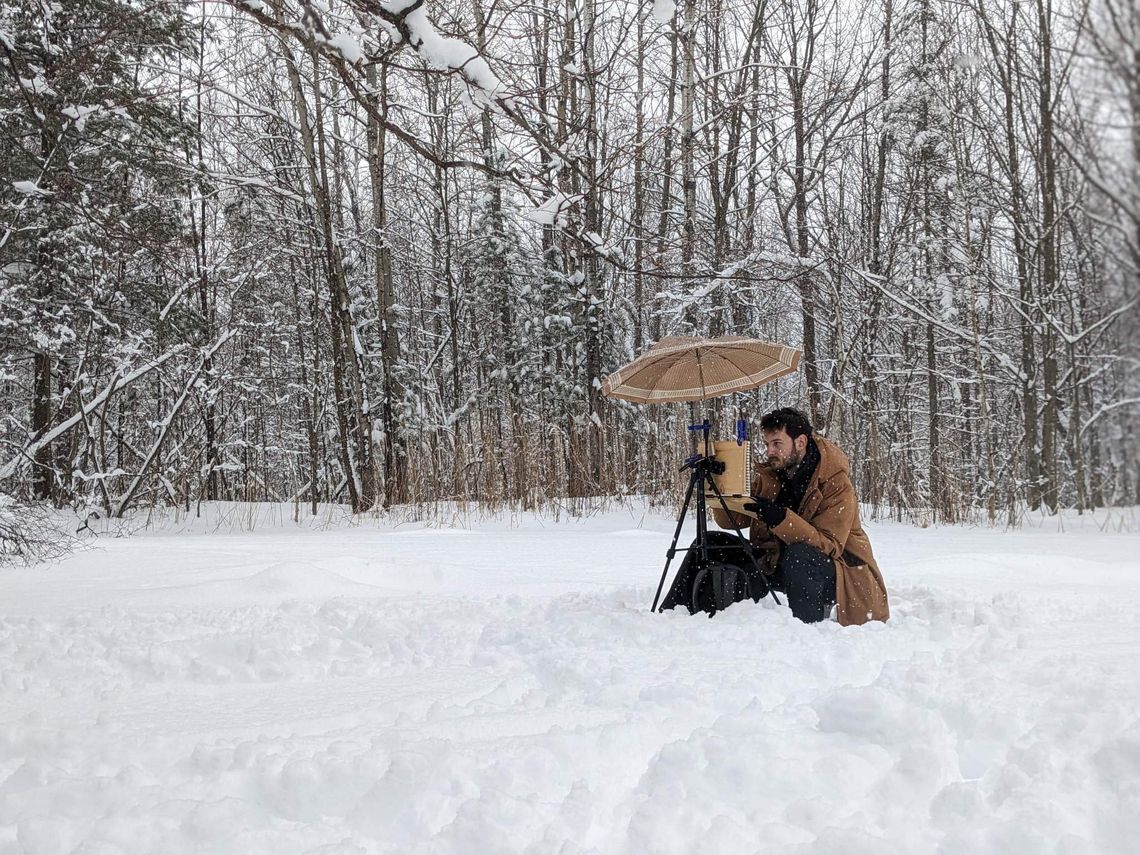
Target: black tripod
<point>702,468</point>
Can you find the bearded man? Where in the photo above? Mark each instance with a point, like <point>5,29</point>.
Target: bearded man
<point>804,528</point>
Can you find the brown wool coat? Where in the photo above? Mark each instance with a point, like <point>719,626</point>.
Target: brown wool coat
<point>828,519</point>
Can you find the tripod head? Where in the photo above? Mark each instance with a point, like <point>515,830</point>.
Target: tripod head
<point>704,462</point>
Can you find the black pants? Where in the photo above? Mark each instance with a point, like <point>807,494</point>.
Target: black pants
<point>803,573</point>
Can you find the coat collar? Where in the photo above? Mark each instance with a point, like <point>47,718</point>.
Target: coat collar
<point>832,459</point>
<point>829,461</point>
<point>795,488</point>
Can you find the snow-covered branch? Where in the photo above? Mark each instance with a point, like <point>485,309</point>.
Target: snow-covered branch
<point>117,384</point>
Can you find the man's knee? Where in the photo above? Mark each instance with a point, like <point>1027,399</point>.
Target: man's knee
<point>716,537</point>
<point>803,555</point>
<point>809,581</point>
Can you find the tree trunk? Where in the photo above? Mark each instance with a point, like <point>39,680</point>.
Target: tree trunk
<point>43,473</point>
<point>1048,249</point>
<point>353,418</point>
<point>394,452</point>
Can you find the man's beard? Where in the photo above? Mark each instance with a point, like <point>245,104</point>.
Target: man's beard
<point>787,465</point>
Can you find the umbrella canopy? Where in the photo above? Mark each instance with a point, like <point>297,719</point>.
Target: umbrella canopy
<point>688,368</point>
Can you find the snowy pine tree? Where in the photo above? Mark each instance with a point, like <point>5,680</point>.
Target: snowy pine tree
<point>86,199</point>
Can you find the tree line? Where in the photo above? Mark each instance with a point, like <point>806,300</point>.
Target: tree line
<point>385,252</point>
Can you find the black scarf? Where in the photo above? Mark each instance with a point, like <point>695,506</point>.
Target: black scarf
<point>792,489</point>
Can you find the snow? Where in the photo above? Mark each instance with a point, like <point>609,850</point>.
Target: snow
<point>553,211</point>
<point>445,52</point>
<point>36,85</point>
<point>79,113</point>
<point>663,10</point>
<point>348,47</point>
<point>241,684</point>
<point>30,188</point>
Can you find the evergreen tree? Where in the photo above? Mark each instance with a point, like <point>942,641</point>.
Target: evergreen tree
<point>503,309</point>
<point>86,211</point>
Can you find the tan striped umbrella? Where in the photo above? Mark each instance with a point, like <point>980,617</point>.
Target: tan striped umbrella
<point>687,368</point>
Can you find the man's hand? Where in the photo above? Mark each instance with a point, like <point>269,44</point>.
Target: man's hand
<point>767,510</point>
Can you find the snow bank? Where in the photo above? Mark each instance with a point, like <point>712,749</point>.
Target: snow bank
<point>501,687</point>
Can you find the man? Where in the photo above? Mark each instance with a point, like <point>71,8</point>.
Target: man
<point>805,531</point>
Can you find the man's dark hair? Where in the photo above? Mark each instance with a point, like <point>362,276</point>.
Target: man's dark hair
<point>789,419</point>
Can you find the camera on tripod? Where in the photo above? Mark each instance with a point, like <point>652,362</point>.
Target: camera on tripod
<point>731,470</point>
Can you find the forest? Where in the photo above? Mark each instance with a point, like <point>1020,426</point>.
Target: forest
<point>379,253</point>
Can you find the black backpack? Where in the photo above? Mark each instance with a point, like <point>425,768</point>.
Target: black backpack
<point>718,585</point>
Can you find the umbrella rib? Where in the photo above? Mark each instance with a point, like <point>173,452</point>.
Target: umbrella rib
<point>632,377</point>
<point>724,356</point>
<point>783,368</point>
<point>651,359</point>
<point>745,373</point>
<point>639,370</point>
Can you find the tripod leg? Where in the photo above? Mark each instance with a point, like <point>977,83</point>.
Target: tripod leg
<point>693,479</point>
<point>703,520</point>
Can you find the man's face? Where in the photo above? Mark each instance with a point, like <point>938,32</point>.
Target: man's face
<point>784,453</point>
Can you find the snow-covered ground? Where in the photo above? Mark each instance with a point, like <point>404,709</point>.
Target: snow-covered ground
<point>502,687</point>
